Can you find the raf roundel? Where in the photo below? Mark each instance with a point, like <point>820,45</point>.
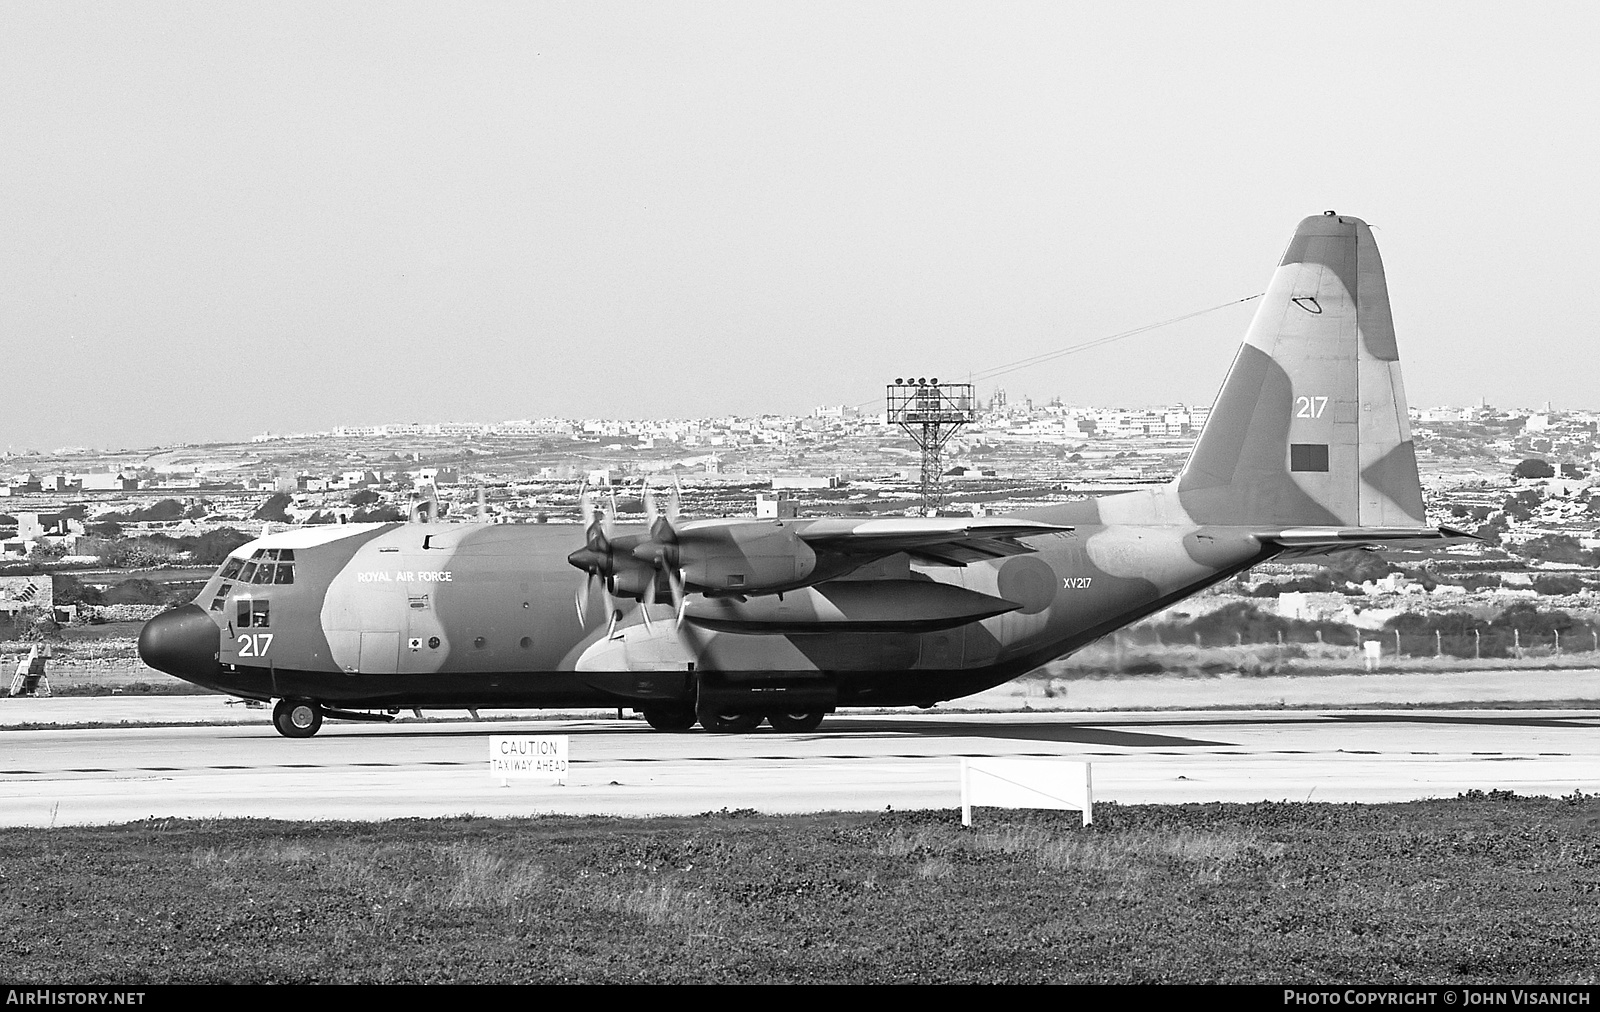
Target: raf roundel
<point>1029,582</point>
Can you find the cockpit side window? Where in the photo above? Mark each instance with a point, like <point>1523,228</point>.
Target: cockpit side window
<point>253,613</point>
<point>230,569</point>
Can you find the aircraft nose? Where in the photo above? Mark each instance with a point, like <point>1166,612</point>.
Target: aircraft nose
<point>182,642</point>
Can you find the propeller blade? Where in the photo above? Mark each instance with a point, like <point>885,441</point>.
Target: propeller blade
<point>675,581</point>
<point>675,501</point>
<point>651,512</point>
<point>583,598</point>
<point>586,507</point>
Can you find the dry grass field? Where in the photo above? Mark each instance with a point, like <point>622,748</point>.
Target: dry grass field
<point>1481,888</point>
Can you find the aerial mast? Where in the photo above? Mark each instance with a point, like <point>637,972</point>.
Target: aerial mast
<point>930,412</point>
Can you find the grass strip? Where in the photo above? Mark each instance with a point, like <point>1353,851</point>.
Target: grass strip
<point>1483,888</point>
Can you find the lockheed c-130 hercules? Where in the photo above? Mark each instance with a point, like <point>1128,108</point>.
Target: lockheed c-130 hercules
<point>730,623</point>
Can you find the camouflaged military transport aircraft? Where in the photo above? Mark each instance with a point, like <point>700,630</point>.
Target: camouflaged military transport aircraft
<point>731,622</point>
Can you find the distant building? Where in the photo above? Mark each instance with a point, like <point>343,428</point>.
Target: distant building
<point>108,481</point>
<point>774,507</point>
<point>19,592</point>
<point>804,481</point>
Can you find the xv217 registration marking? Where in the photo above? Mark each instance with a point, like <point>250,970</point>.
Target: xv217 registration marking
<point>1076,582</point>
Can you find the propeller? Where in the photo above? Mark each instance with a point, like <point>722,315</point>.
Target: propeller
<point>631,565</point>
<point>595,557</point>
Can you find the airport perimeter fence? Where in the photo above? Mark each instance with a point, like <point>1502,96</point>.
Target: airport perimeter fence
<point>1487,642</point>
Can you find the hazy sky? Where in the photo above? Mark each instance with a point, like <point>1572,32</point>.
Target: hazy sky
<point>217,219</point>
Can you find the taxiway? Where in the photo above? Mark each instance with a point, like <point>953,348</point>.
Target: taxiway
<point>64,775</point>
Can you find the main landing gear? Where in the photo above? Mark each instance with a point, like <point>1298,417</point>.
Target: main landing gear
<point>297,718</point>
<point>804,721</point>
<point>680,717</point>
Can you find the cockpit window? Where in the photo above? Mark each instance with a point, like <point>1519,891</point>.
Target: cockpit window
<point>253,614</point>
<point>269,566</point>
<point>230,569</point>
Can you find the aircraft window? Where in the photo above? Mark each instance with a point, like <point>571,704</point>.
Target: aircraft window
<point>217,603</point>
<point>222,591</point>
<point>286,555</point>
<point>247,572</point>
<point>263,573</point>
<point>231,568</point>
<point>244,613</point>
<point>285,573</point>
<point>258,614</point>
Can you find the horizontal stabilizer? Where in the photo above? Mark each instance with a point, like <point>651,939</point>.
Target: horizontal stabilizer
<point>1332,538</point>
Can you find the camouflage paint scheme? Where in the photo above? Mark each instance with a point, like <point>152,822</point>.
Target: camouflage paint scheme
<point>1307,449</point>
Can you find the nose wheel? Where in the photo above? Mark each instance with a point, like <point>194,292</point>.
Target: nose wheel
<point>297,718</point>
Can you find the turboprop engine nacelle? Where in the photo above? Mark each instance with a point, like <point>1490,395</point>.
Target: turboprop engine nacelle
<point>741,557</point>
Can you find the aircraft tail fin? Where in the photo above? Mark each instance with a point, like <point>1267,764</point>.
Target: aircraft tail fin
<point>1311,429</point>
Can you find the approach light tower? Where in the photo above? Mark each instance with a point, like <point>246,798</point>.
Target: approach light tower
<point>930,412</point>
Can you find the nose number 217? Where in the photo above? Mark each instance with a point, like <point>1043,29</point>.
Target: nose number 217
<point>254,644</point>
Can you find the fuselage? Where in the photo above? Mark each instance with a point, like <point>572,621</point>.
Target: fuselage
<point>467,615</point>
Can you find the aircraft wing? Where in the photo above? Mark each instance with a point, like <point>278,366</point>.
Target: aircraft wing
<point>946,541</point>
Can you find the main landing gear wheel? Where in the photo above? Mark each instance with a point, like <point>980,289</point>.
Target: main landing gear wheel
<point>669,718</point>
<point>730,723</point>
<point>297,718</point>
<point>795,721</point>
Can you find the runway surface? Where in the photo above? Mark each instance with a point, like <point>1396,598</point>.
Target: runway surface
<point>854,762</point>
